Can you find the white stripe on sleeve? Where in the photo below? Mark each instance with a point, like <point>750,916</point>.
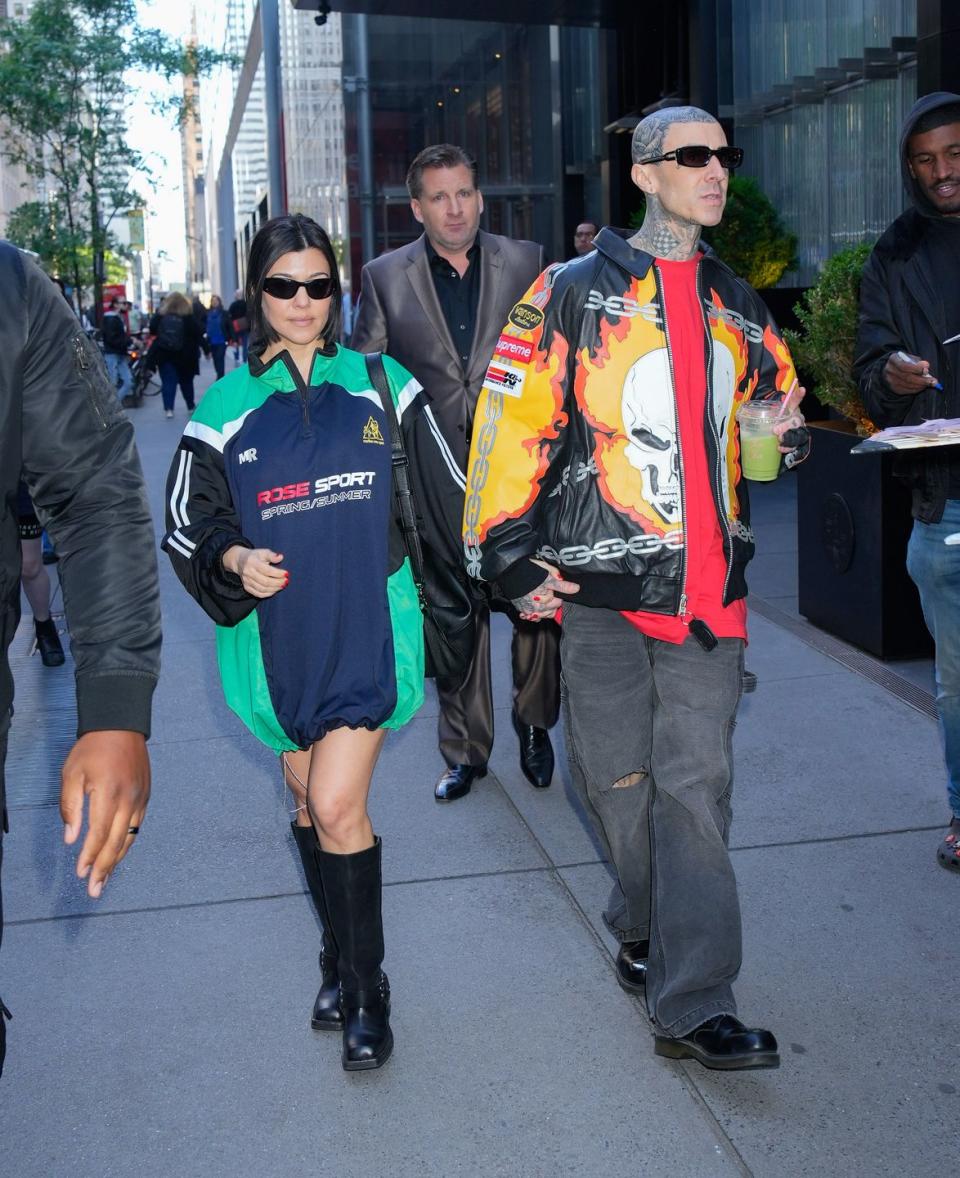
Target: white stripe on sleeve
<point>458,476</point>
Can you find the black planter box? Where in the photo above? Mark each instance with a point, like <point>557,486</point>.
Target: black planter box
<point>853,524</point>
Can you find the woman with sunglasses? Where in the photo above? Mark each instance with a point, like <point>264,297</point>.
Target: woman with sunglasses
<point>279,519</point>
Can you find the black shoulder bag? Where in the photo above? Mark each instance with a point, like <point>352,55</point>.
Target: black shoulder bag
<point>445,601</point>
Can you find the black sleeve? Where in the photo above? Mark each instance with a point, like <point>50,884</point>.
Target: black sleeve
<point>877,338</point>
<point>201,525</point>
<point>81,466</point>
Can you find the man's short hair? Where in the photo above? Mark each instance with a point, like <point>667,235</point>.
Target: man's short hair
<point>649,133</point>
<point>440,155</point>
<point>940,116</point>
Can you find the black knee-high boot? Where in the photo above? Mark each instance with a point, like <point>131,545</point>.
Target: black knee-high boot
<point>352,886</point>
<point>326,1010</point>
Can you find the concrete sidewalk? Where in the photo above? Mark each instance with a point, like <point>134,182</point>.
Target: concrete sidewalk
<point>165,1030</point>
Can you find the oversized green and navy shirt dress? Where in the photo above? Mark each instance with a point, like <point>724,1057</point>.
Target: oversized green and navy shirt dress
<point>268,461</point>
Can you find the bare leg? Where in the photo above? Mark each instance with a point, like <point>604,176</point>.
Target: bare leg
<point>341,767</point>
<point>296,774</point>
<point>36,582</point>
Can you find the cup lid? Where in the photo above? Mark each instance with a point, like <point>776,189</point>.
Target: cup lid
<point>760,410</point>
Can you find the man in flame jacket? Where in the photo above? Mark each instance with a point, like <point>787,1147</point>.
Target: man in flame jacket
<point>604,477</point>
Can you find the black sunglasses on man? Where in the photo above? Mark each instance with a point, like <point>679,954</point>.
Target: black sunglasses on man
<point>698,157</point>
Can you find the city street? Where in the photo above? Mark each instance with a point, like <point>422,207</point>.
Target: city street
<point>164,1031</point>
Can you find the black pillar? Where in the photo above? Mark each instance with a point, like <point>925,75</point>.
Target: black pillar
<point>938,46</point>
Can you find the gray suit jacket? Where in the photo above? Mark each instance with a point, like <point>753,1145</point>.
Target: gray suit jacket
<point>400,314</point>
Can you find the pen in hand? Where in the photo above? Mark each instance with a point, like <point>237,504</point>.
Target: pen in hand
<point>914,360</point>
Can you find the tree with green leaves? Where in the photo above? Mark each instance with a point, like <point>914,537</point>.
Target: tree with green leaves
<point>64,93</point>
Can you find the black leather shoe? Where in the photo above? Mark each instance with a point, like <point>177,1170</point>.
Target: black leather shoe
<point>723,1043</point>
<point>327,1015</point>
<point>632,965</point>
<point>367,1038</point>
<point>536,753</point>
<point>48,643</point>
<point>456,782</point>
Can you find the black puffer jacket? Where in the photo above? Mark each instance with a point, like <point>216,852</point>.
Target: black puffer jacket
<point>61,424</point>
<point>901,310</point>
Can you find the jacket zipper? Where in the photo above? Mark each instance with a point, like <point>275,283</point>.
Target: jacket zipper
<point>715,434</point>
<point>682,609</point>
<point>301,389</point>
<point>83,363</point>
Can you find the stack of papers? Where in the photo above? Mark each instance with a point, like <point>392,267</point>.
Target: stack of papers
<point>942,432</point>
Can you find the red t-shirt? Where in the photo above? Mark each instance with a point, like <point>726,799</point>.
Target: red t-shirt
<point>706,564</point>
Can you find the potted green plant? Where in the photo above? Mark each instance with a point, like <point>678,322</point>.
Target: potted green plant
<point>853,515</point>
<point>823,349</point>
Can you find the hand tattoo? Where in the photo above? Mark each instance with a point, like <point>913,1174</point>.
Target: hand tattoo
<point>533,602</point>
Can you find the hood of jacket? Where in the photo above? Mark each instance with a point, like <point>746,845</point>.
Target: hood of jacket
<point>929,102</point>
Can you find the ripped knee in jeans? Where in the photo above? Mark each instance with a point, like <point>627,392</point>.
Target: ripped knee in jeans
<point>629,779</point>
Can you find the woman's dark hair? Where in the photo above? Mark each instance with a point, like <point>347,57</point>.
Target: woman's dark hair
<point>287,235</point>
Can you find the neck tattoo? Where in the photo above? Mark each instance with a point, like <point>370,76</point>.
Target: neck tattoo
<point>665,236</point>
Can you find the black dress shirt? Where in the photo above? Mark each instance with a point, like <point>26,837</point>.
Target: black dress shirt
<point>458,297</point>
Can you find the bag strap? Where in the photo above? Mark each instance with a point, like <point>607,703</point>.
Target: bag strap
<point>400,465</point>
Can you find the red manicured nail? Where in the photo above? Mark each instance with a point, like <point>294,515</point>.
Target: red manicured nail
<point>536,598</point>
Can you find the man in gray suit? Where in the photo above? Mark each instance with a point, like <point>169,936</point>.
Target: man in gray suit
<point>438,306</point>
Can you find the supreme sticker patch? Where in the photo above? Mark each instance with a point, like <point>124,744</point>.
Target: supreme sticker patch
<point>511,349</point>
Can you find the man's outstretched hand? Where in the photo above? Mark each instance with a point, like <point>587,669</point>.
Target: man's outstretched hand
<point>113,770</point>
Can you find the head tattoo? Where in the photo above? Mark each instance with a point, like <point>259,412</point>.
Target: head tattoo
<point>649,133</point>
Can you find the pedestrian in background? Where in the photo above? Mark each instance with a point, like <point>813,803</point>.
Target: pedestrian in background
<point>583,237</point>
<point>219,333</point>
<point>176,349</point>
<point>292,557</point>
<point>77,455</point>
<point>240,325</point>
<point>116,341</point>
<point>908,368</point>
<point>36,581</point>
<point>437,306</point>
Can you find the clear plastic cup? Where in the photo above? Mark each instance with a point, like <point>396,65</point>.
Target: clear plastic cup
<point>759,445</point>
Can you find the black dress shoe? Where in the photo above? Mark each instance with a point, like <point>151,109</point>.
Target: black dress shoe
<point>723,1043</point>
<point>632,965</point>
<point>536,753</point>
<point>48,643</point>
<point>457,781</point>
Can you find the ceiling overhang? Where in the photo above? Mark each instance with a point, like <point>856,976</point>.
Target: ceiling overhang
<point>529,12</point>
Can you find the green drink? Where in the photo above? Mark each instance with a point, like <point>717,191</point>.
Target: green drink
<point>759,445</point>
<point>760,457</point>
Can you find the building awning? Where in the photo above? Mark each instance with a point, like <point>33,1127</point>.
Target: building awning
<point>528,12</point>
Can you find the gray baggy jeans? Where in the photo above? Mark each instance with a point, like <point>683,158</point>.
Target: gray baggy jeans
<point>649,728</point>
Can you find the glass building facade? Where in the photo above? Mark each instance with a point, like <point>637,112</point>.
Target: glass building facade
<point>522,99</point>
<point>817,92</point>
<point>233,107</point>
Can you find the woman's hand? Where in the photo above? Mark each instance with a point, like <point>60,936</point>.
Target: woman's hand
<point>255,568</point>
